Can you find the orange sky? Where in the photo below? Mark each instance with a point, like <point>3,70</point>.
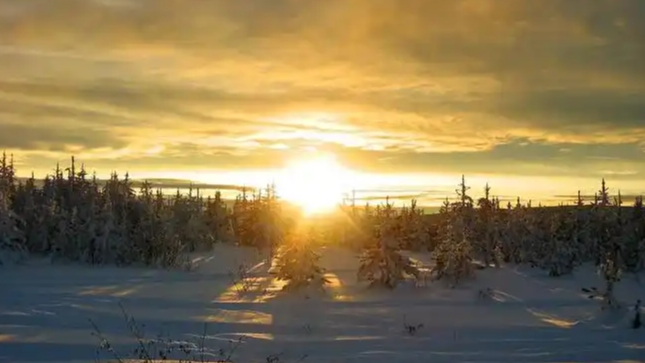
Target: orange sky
<point>534,96</point>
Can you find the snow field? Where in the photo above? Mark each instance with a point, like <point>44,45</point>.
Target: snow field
<point>529,317</point>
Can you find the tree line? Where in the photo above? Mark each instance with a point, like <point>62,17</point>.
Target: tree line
<point>71,216</point>
<point>471,234</point>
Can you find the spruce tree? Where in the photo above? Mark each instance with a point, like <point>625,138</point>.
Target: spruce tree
<point>297,263</point>
<point>633,252</point>
<point>13,246</point>
<point>486,230</point>
<point>381,263</point>
<point>581,236</point>
<point>608,227</point>
<point>559,254</point>
<point>218,220</point>
<point>413,236</point>
<point>453,256</point>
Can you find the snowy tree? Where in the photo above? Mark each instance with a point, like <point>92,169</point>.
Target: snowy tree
<point>512,233</point>
<point>413,231</point>
<point>12,239</point>
<point>218,219</point>
<point>453,256</point>
<point>381,263</point>
<point>559,254</point>
<point>30,205</point>
<point>633,252</point>
<point>607,228</point>
<point>580,232</point>
<point>486,230</point>
<point>358,223</point>
<point>7,177</point>
<point>270,226</point>
<point>297,262</point>
<point>73,218</point>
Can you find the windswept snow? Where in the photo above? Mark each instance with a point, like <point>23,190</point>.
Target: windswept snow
<point>526,317</point>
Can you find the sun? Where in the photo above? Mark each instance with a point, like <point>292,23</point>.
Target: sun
<point>316,184</point>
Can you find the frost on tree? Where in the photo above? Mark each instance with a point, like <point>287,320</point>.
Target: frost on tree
<point>516,233</point>
<point>381,263</point>
<point>608,229</point>
<point>297,263</point>
<point>558,255</point>
<point>453,261</point>
<point>413,234</point>
<point>12,239</point>
<point>633,252</point>
<point>13,246</point>
<point>487,233</point>
<point>453,256</point>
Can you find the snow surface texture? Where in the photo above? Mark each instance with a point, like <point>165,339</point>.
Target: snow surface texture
<point>526,316</point>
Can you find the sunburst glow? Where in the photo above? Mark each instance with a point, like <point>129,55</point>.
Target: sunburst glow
<point>316,185</point>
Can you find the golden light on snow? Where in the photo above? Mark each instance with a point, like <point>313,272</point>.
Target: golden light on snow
<point>553,320</point>
<point>252,289</point>
<point>316,184</point>
<point>333,281</point>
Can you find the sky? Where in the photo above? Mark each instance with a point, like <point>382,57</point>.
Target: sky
<point>535,97</point>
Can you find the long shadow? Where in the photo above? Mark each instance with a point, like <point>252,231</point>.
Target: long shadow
<point>41,305</point>
<point>366,328</point>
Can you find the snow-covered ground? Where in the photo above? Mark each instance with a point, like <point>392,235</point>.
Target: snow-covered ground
<point>45,312</point>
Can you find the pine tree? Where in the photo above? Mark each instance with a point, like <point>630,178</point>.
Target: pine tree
<point>297,262</point>
<point>453,256</point>
<point>486,230</point>
<point>559,254</point>
<point>217,217</point>
<point>608,223</point>
<point>7,177</point>
<point>453,261</point>
<point>12,240</point>
<point>413,236</point>
<point>381,263</point>
<point>633,252</point>
<point>581,239</point>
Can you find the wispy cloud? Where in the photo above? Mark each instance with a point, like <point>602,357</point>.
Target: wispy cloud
<point>388,85</point>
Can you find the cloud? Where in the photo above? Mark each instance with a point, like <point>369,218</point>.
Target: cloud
<point>388,85</point>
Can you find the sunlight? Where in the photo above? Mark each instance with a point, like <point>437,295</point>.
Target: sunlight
<point>316,185</point>
<point>553,320</point>
<point>4,338</point>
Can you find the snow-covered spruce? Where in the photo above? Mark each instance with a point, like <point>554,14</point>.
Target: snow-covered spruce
<point>296,262</point>
<point>453,256</point>
<point>633,249</point>
<point>70,217</point>
<point>608,229</point>
<point>487,231</point>
<point>413,234</point>
<point>12,239</point>
<point>381,263</point>
<point>453,261</point>
<point>557,256</point>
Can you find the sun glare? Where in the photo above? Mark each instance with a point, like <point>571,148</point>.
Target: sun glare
<point>316,185</point>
